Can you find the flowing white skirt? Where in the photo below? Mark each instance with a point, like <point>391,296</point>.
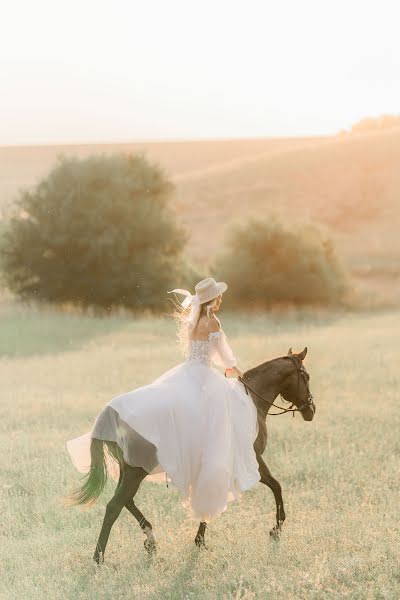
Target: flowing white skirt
<point>191,423</point>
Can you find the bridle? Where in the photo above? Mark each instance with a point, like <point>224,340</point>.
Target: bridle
<point>301,372</point>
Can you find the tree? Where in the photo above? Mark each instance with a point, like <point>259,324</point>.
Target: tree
<point>268,262</point>
<point>96,231</point>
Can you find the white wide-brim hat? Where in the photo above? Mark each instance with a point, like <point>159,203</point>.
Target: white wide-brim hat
<point>208,289</point>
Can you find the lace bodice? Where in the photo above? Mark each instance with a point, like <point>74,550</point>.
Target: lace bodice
<point>215,349</point>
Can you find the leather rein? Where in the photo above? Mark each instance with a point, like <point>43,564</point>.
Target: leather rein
<point>300,371</point>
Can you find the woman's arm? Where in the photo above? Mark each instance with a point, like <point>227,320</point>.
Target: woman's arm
<point>222,352</point>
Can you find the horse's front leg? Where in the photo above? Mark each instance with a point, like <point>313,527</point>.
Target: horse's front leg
<point>199,540</point>
<point>275,486</point>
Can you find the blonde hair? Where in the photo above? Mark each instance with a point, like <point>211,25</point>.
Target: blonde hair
<point>181,314</point>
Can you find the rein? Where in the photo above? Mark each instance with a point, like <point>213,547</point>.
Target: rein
<point>300,370</point>
<point>281,408</point>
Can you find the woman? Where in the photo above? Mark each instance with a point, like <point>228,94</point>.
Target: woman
<point>192,423</point>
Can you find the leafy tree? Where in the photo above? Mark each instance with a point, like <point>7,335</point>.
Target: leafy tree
<point>267,262</point>
<point>96,231</point>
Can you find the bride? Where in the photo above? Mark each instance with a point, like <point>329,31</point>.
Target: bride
<point>192,423</point>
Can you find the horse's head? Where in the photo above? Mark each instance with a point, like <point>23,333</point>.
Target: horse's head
<point>295,386</point>
<point>286,376</point>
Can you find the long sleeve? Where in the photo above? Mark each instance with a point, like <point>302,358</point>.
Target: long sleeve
<point>221,353</point>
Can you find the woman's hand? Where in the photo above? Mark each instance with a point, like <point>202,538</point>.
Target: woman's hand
<point>233,370</point>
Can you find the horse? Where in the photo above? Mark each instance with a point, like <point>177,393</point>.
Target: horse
<point>284,375</point>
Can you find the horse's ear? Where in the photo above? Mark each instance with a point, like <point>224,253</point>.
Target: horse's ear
<point>290,351</point>
<point>303,354</point>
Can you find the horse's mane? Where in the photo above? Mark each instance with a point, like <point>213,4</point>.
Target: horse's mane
<point>261,366</point>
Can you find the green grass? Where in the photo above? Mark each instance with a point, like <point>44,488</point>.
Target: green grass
<point>339,474</point>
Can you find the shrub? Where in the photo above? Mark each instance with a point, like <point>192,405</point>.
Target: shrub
<point>381,123</point>
<point>268,262</point>
<point>96,231</point>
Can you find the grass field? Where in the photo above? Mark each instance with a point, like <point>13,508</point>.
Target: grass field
<point>339,473</point>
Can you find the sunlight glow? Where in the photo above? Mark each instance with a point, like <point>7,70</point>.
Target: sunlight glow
<point>129,70</point>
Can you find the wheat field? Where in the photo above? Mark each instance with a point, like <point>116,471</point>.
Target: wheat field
<point>339,474</point>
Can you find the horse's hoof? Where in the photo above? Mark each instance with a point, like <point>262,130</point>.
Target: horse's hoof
<point>275,533</point>
<point>200,542</point>
<point>151,545</point>
<point>98,558</point>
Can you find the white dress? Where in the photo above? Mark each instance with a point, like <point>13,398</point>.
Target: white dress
<point>192,423</point>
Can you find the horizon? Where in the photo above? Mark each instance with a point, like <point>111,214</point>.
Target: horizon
<point>164,140</point>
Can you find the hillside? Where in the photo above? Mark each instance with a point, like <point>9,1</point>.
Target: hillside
<point>352,186</point>
<point>349,184</point>
<point>22,166</point>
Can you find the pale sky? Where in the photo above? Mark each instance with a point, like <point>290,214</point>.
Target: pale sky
<point>126,70</point>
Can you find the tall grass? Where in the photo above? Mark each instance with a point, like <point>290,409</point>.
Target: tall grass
<point>339,474</point>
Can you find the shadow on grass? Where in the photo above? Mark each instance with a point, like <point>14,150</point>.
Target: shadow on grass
<point>27,331</point>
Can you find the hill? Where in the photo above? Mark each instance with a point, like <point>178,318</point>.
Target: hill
<point>23,166</point>
<point>349,184</point>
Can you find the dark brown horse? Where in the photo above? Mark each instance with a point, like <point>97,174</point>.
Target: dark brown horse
<point>285,375</point>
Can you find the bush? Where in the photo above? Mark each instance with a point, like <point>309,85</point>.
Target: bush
<point>268,262</point>
<point>382,123</point>
<point>97,231</point>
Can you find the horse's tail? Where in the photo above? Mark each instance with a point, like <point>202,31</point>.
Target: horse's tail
<point>95,480</point>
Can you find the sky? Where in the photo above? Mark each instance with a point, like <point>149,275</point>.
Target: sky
<point>126,70</point>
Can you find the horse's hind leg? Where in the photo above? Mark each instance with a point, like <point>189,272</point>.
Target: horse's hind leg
<point>127,488</point>
<point>133,509</point>
<point>275,486</point>
<point>150,542</point>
